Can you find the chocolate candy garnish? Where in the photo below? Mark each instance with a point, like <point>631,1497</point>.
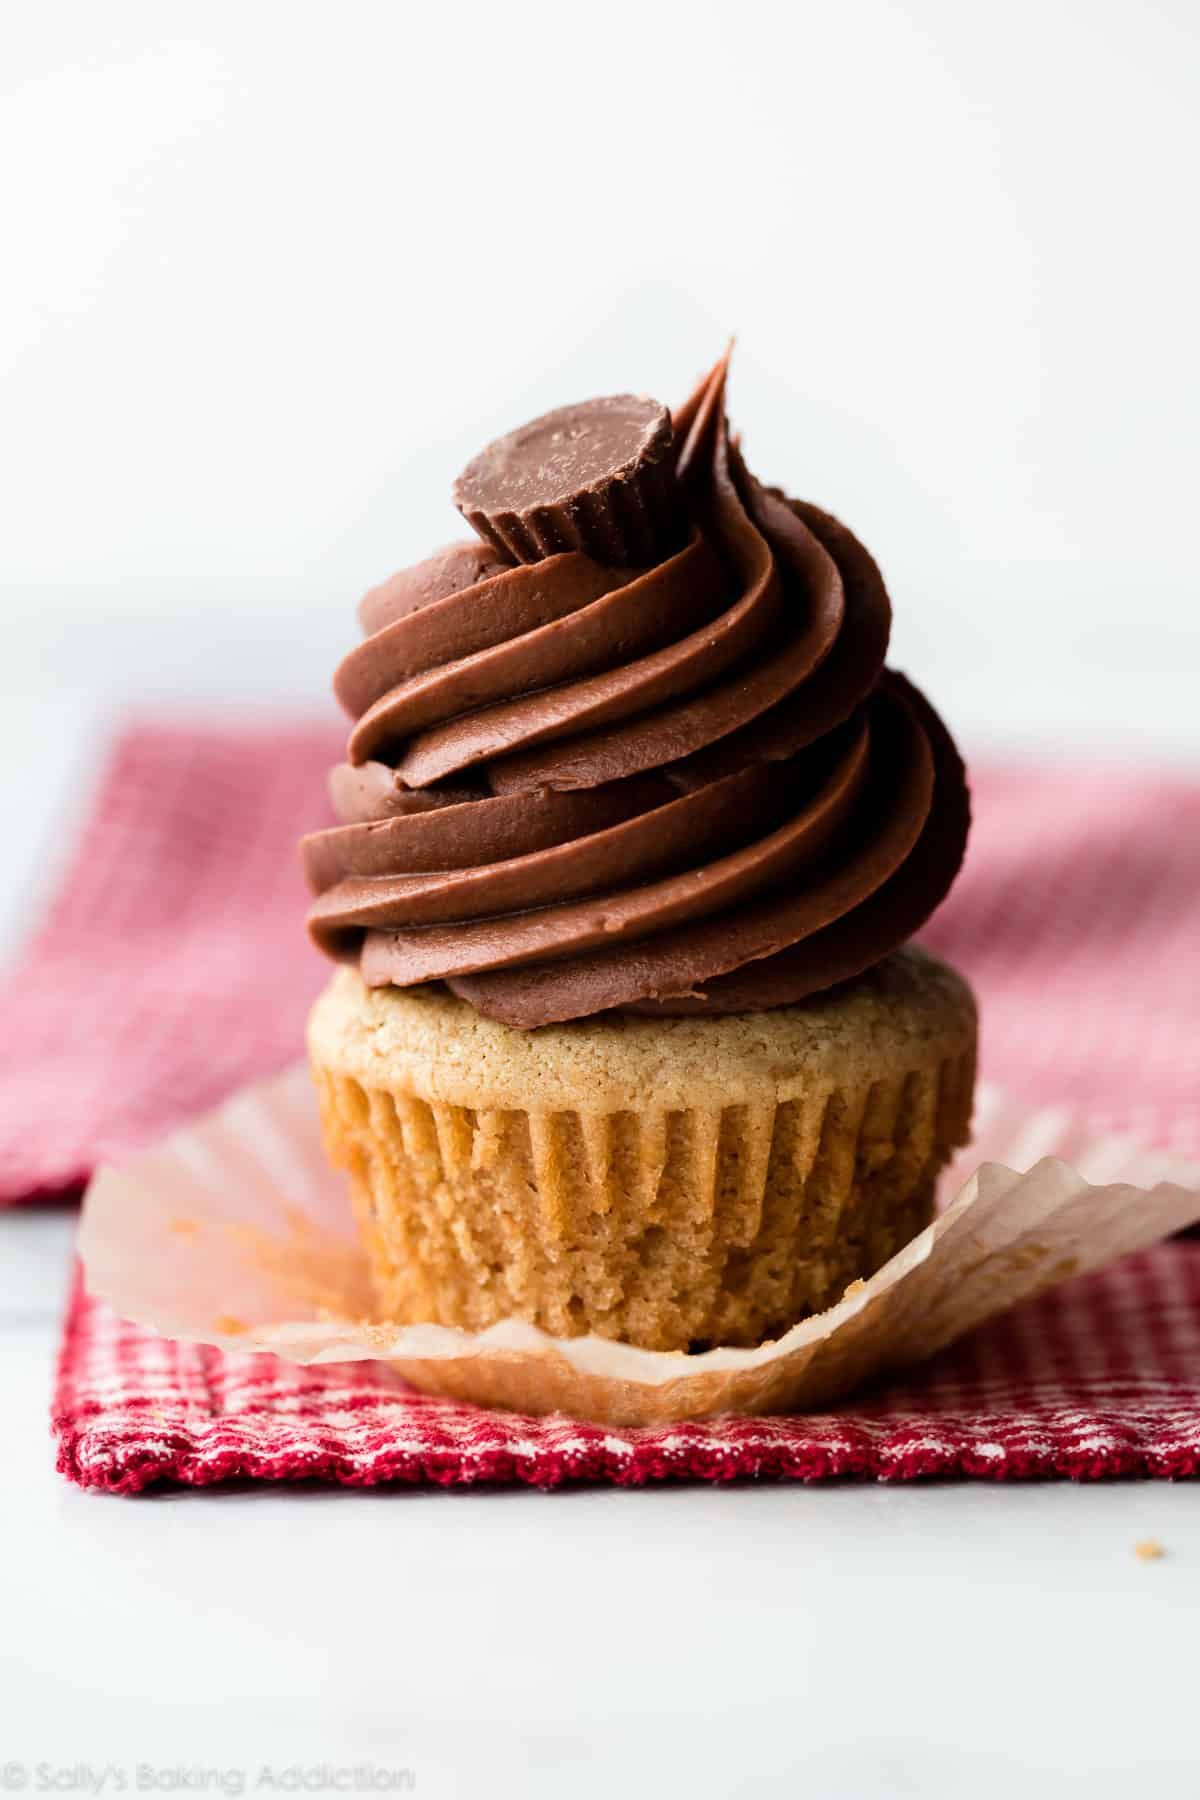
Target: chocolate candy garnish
<point>597,477</point>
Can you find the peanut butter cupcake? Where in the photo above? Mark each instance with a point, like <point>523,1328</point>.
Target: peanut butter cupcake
<point>635,828</point>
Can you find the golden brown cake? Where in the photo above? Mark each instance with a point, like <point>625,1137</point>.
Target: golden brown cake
<point>634,828</point>
<point>670,1182</point>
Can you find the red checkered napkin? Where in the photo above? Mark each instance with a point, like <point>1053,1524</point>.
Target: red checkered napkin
<point>1101,1378</point>
<point>172,968</point>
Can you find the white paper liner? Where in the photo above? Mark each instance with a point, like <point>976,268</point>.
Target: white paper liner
<point>235,1232</point>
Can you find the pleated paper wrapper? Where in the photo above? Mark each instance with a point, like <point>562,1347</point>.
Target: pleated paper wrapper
<point>235,1232</point>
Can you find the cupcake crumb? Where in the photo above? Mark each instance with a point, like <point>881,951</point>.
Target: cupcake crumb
<point>1149,1550</point>
<point>571,1167</point>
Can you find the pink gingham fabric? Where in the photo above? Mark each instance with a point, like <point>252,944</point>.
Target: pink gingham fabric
<point>1077,918</point>
<point>172,967</point>
<point>1100,1379</point>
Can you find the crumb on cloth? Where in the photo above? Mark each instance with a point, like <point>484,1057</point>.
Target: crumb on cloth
<point>1149,1550</point>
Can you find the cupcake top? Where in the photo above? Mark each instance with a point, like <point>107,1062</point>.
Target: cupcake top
<point>635,746</point>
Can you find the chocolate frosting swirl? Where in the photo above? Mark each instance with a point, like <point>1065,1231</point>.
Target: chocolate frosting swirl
<point>574,785</point>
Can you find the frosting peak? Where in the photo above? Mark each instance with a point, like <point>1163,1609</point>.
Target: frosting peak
<point>636,747</point>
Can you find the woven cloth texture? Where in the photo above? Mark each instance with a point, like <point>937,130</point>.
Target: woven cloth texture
<point>172,967</point>
<point>1099,1379</point>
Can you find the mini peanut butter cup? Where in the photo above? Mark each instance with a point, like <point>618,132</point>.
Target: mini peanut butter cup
<point>597,477</point>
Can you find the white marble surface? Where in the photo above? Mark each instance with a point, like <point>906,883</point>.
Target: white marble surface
<point>269,271</point>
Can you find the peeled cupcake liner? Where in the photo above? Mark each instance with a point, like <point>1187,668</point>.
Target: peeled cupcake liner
<point>236,1233</point>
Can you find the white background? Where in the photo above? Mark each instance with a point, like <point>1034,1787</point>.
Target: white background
<point>269,274</point>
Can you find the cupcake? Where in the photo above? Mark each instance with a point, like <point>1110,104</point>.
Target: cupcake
<point>628,1037</point>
